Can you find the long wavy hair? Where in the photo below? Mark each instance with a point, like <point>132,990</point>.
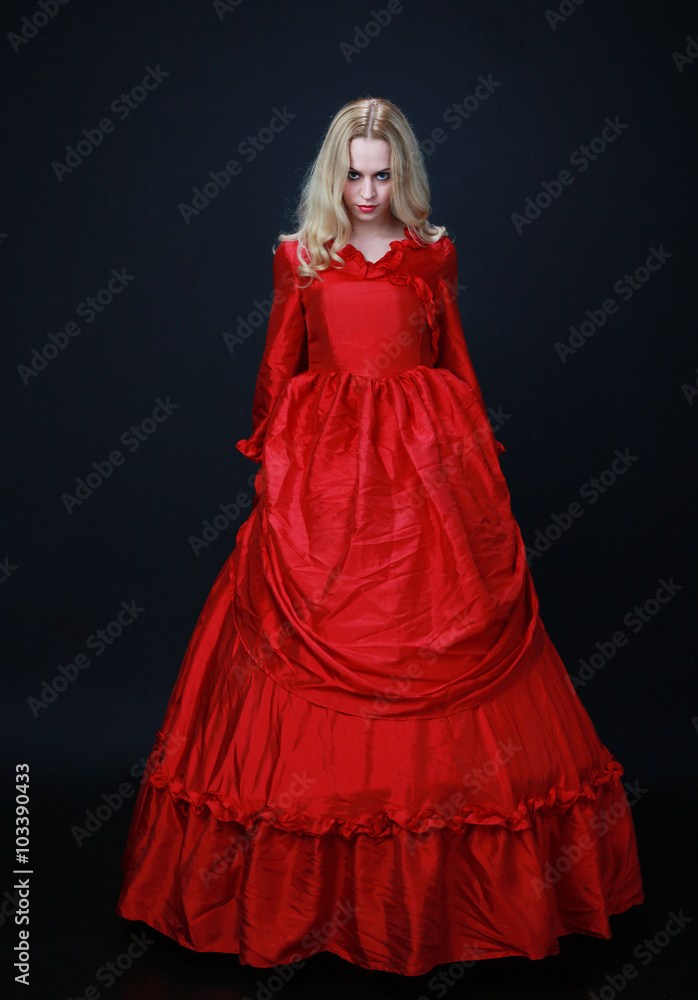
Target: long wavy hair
<point>321,217</point>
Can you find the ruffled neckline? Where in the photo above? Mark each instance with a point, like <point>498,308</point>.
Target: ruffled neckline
<point>390,257</point>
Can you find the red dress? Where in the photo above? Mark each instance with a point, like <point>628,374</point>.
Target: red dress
<point>372,747</point>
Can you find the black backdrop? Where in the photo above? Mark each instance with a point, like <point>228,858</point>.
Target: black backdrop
<point>127,309</point>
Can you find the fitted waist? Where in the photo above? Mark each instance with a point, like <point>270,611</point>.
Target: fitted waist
<point>357,349</point>
<point>374,368</point>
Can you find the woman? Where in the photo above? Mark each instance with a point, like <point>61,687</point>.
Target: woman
<point>372,747</point>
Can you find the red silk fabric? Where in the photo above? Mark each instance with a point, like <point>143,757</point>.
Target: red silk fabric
<point>383,556</point>
<point>370,699</point>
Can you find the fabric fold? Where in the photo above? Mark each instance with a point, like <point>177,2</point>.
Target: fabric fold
<point>372,746</point>
<point>420,489</point>
<point>383,824</point>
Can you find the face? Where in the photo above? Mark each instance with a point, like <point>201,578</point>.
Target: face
<point>368,183</point>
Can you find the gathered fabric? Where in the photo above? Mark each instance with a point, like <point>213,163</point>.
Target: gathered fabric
<point>373,747</point>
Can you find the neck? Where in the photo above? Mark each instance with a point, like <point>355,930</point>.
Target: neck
<point>369,232</point>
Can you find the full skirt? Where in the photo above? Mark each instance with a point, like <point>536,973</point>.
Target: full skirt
<point>372,747</point>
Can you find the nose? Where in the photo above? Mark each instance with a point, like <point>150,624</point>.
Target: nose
<point>367,188</point>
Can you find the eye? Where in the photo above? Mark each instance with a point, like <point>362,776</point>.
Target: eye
<point>381,175</point>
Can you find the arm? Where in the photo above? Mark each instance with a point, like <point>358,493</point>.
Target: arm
<point>452,352</point>
<point>285,352</point>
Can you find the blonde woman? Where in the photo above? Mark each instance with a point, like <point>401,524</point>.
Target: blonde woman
<point>372,747</point>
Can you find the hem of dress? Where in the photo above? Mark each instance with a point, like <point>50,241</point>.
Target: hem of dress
<point>613,909</point>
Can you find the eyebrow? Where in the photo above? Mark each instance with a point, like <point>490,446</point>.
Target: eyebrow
<point>385,170</point>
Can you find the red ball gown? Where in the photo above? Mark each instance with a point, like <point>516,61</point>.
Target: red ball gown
<point>372,747</point>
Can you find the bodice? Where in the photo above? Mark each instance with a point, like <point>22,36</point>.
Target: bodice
<point>366,318</point>
<point>373,318</point>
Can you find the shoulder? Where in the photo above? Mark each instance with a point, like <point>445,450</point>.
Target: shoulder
<point>449,255</point>
<point>441,249</point>
<point>285,265</point>
<point>286,250</point>
<point>287,255</point>
<point>438,252</point>
<point>447,247</point>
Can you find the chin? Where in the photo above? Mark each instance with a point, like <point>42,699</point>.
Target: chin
<point>371,216</point>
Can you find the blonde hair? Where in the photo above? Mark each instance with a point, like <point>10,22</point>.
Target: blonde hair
<point>321,215</point>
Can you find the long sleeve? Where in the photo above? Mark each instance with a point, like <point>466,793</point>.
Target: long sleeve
<point>285,352</point>
<point>452,352</point>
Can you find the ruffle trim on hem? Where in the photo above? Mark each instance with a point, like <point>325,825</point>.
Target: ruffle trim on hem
<point>451,815</point>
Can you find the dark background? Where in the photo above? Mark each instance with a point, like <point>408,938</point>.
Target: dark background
<point>627,387</point>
